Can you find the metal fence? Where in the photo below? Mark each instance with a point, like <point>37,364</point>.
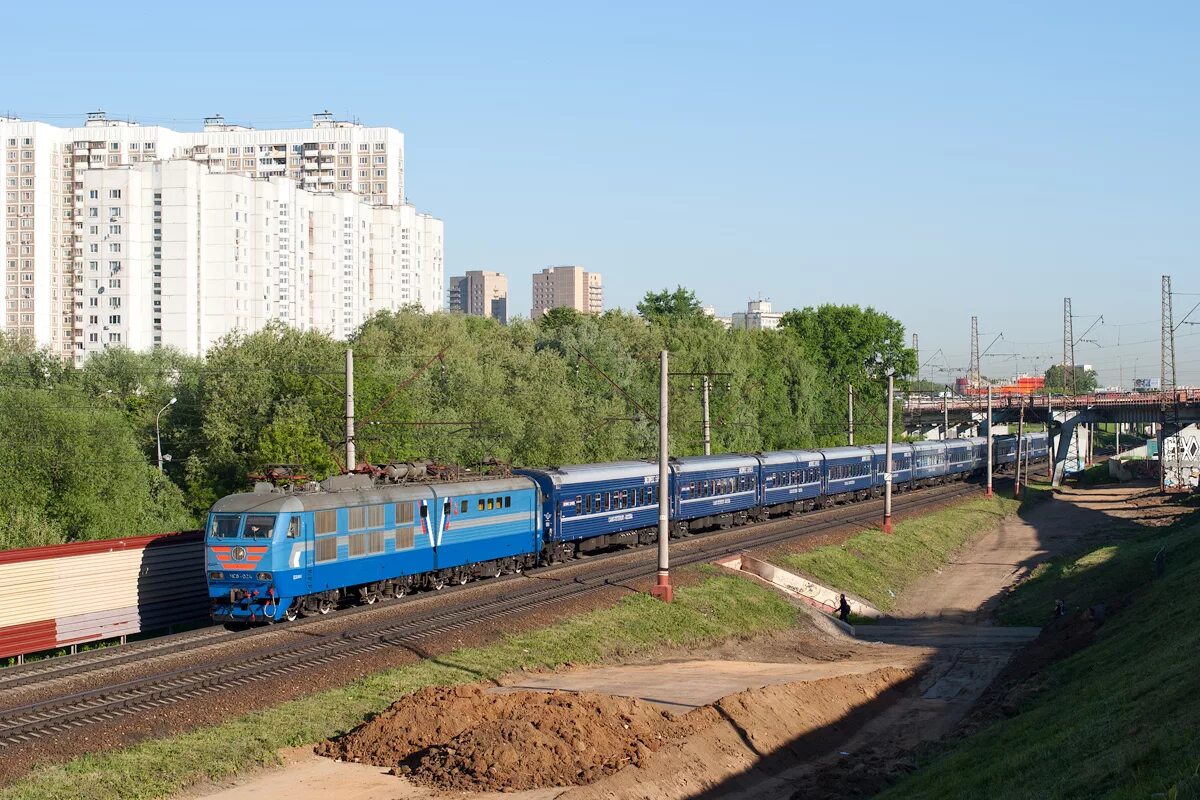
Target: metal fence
<point>63,595</point>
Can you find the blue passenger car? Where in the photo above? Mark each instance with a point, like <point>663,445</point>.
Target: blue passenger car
<point>929,463</point>
<point>790,480</point>
<point>849,473</point>
<point>979,453</point>
<point>1004,450</point>
<point>901,466</point>
<point>593,506</point>
<point>273,555</point>
<point>960,458</point>
<point>713,491</point>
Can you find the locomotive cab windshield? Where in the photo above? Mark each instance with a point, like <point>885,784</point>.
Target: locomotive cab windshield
<point>242,526</point>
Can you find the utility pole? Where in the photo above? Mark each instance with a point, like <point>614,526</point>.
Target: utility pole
<point>707,425</point>
<point>850,413</point>
<point>351,457</point>
<point>1166,378</point>
<point>917,354</point>
<point>887,476</point>
<point>1020,451</point>
<point>989,443</point>
<point>974,378</point>
<point>1053,452</point>
<point>1068,348</point>
<point>662,589</point>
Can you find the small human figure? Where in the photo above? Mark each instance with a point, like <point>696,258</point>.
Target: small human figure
<point>843,611</point>
<point>1060,609</point>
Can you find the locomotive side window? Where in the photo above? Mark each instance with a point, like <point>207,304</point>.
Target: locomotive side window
<point>358,544</point>
<point>404,539</point>
<point>404,513</point>
<point>294,528</point>
<point>374,516</point>
<point>327,549</point>
<point>326,521</point>
<point>357,518</point>
<point>259,527</point>
<point>375,542</point>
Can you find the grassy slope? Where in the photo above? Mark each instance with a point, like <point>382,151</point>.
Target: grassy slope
<point>876,566</point>
<point>719,607</point>
<point>1119,719</point>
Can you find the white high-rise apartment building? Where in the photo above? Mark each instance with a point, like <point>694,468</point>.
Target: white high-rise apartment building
<point>175,255</point>
<point>48,235</point>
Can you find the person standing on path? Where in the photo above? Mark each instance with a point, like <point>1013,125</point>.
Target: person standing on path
<point>843,611</point>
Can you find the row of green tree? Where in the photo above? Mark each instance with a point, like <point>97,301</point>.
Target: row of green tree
<point>79,447</point>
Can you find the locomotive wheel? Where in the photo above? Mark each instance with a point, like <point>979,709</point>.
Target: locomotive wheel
<point>437,583</point>
<point>518,567</point>
<point>324,606</point>
<point>498,571</point>
<point>399,590</point>
<point>292,612</point>
<point>462,578</point>
<point>370,598</point>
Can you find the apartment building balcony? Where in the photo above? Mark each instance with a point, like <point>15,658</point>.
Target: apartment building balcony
<point>327,151</point>
<point>311,152</point>
<point>200,156</point>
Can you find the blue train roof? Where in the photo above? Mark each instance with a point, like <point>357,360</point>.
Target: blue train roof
<point>587,473</point>
<point>897,447</point>
<point>929,445</point>
<point>685,464</point>
<point>846,452</point>
<point>777,457</point>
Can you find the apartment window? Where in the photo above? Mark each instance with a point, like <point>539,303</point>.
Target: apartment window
<point>114,228</point>
<point>114,337</point>
<point>92,194</point>
<point>93,302</point>
<point>381,173</point>
<point>93,337</point>
<point>362,148</point>
<point>114,302</point>
<point>114,212</point>
<point>114,146</point>
<point>93,319</point>
<point>114,319</point>
<point>115,266</point>
<point>380,146</point>
<point>114,194</point>
<point>114,283</point>
<point>380,159</point>
<point>134,145</point>
<point>93,212</point>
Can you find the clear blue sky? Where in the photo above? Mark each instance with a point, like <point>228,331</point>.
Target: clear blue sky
<point>934,160</point>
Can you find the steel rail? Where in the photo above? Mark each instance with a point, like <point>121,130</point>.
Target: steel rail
<point>21,724</point>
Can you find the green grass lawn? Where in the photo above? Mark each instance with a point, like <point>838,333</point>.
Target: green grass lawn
<point>876,566</point>
<point>717,608</point>
<point>1119,719</point>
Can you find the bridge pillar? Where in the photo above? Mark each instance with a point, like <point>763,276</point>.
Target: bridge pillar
<point>1066,434</point>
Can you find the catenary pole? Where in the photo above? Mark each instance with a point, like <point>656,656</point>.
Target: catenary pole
<point>707,424</point>
<point>850,413</point>
<point>351,456</point>
<point>662,589</point>
<point>989,443</point>
<point>1020,450</point>
<point>887,462</point>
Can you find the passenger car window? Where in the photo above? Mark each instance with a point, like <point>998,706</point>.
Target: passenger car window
<point>508,501</point>
<point>463,507</point>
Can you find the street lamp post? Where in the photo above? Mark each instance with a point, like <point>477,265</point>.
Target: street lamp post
<point>158,434</point>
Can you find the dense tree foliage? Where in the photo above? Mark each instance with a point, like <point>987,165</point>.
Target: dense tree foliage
<point>1073,380</point>
<point>667,305</point>
<point>79,446</point>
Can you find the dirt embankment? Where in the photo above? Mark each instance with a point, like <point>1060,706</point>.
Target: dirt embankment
<point>466,738</point>
<point>463,737</point>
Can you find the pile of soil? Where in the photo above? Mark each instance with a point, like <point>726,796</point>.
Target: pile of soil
<point>466,738</point>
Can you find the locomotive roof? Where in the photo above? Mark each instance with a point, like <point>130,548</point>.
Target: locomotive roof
<point>281,502</point>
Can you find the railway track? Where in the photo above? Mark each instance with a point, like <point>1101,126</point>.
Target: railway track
<point>22,724</point>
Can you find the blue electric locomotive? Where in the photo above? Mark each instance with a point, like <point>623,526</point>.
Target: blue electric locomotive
<point>273,555</point>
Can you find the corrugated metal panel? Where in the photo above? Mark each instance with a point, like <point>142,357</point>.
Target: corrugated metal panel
<point>97,590</point>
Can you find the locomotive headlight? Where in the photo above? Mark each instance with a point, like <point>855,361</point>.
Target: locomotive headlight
<point>216,576</point>
<point>264,576</point>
